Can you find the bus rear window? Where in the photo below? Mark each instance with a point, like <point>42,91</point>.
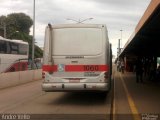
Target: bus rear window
<point>77,41</point>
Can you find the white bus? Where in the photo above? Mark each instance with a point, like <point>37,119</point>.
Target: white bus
<point>77,57</point>
<point>13,55</point>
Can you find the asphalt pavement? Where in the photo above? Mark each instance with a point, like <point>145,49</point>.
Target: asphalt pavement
<point>126,100</point>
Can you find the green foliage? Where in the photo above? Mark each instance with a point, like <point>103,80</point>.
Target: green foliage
<point>18,27</point>
<point>18,22</point>
<point>2,20</point>
<point>2,24</point>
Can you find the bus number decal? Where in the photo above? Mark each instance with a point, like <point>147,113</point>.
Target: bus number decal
<point>91,67</point>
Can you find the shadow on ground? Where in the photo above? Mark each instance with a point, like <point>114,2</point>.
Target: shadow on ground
<point>82,98</point>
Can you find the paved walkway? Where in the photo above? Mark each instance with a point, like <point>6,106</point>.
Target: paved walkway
<point>133,99</point>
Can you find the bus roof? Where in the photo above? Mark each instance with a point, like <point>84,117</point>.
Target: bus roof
<point>59,26</point>
<point>15,41</point>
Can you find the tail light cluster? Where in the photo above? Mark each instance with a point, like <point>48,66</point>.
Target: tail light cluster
<point>43,74</point>
<point>106,75</point>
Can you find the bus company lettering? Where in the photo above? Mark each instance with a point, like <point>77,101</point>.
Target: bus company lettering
<point>91,74</point>
<point>74,57</point>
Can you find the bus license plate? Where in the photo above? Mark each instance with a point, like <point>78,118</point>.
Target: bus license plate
<point>74,81</point>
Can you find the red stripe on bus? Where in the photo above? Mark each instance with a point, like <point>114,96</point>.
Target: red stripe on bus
<point>83,68</point>
<point>76,68</point>
<point>49,68</point>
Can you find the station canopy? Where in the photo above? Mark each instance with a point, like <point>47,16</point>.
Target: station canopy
<point>145,40</point>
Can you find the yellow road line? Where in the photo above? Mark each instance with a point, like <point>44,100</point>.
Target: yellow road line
<point>130,101</point>
<point>114,103</point>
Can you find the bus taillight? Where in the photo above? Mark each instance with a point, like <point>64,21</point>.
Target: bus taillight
<point>106,75</point>
<point>43,74</point>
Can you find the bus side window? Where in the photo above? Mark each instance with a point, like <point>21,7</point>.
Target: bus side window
<point>3,47</point>
<point>14,48</point>
<point>8,48</point>
<point>23,49</point>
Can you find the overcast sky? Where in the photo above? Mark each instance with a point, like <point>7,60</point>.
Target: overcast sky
<point>116,14</point>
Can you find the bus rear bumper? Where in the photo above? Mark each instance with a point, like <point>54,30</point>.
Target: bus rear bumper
<point>53,87</point>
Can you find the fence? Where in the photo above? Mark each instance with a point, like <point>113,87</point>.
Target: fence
<point>16,78</point>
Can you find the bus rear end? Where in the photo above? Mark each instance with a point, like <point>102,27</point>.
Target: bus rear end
<point>76,58</point>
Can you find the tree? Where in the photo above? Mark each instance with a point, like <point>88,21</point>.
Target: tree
<point>18,22</point>
<point>18,27</point>
<point>3,26</point>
